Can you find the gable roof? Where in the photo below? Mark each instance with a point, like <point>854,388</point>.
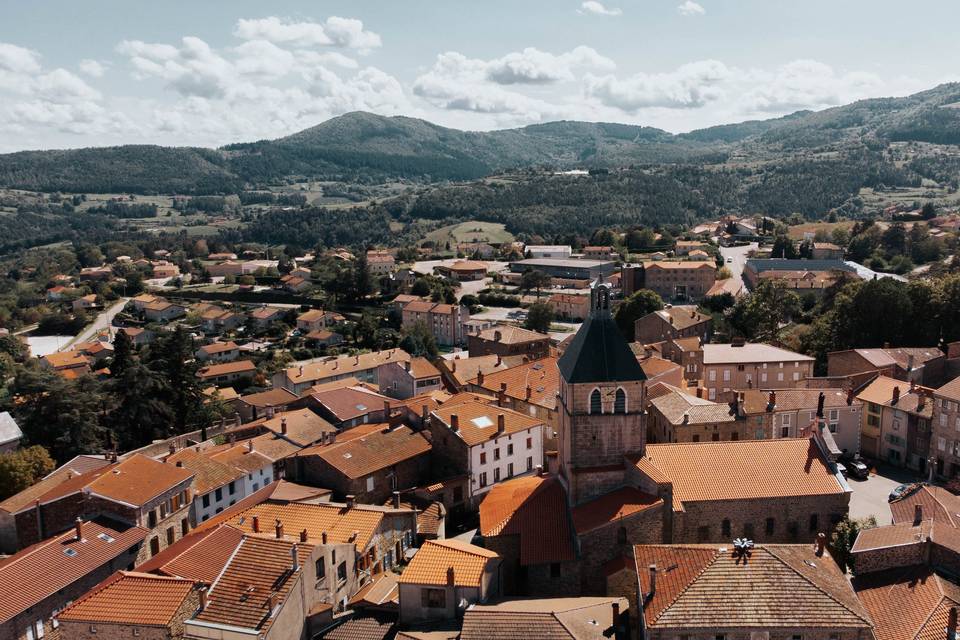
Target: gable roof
<point>355,525</point>
<point>741,469</point>
<point>347,403</point>
<point>936,503</point>
<point>951,390</point>
<point>276,397</point>
<point>611,507</point>
<point>200,556</point>
<point>436,557</point>
<point>748,353</point>
<point>131,598</point>
<point>39,571</point>
<point>777,586</point>
<point>541,376</point>
<point>756,400</point>
<point>343,365</point>
<point>510,334</point>
<point>535,509</point>
<point>907,604</point>
<point>682,408</point>
<point>478,421</point>
<point>304,427</point>
<point>583,618</point>
<point>359,457</point>
<point>682,316</point>
<point>209,474</point>
<point>599,353</point>
<point>226,368</point>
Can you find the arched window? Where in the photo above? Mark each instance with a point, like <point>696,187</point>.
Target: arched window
<point>595,406</point>
<point>620,402</point>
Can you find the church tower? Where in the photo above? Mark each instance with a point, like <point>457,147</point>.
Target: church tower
<point>601,403</point>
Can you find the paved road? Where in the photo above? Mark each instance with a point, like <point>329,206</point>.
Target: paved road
<point>102,321</point>
<point>739,255</point>
<point>869,496</point>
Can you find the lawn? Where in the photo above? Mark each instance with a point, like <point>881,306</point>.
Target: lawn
<point>797,231</point>
<point>470,231</point>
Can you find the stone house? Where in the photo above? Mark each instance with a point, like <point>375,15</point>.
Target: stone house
<point>688,280</point>
<point>946,428</point>
<point>738,366</point>
<point>529,388</point>
<point>676,416</point>
<point>405,380</point>
<point>783,413</point>
<point>919,365</point>
<point>897,423</point>
<point>445,321</point>
<point>571,306</point>
<point>673,322</point>
<point>506,340</point>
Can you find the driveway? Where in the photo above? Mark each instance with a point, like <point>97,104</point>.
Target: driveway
<point>739,255</point>
<point>102,321</point>
<point>869,496</point>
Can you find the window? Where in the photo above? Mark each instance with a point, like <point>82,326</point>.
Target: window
<point>780,376</point>
<point>726,375</point>
<point>496,453</point>
<point>171,536</point>
<point>734,436</point>
<point>433,598</point>
<point>620,402</point>
<point>763,376</point>
<point>713,394</point>
<point>748,530</point>
<point>785,432</point>
<point>813,522</point>
<point>595,406</point>
<point>509,449</point>
<point>321,567</point>
<point>510,470</point>
<point>483,457</point>
<point>35,630</point>
<point>342,571</point>
<point>715,437</point>
<point>696,437</point>
<point>725,528</point>
<point>529,463</point>
<point>554,569</point>
<point>369,483</point>
<point>770,526</point>
<point>219,494</point>
<point>483,479</point>
<point>152,518</point>
<point>496,474</point>
<point>206,501</point>
<point>232,487</point>
<point>785,419</point>
<point>796,376</point>
<point>713,375</point>
<point>529,443</point>
<point>154,545</point>
<point>184,527</point>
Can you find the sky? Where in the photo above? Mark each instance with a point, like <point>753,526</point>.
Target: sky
<point>96,73</point>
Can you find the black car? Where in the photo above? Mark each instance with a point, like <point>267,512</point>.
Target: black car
<point>856,469</point>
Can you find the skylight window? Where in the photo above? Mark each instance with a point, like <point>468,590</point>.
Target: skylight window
<point>348,455</point>
<point>105,537</point>
<point>482,421</point>
<point>361,407</point>
<point>69,552</point>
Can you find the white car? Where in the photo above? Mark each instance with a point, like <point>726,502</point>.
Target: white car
<point>729,259</point>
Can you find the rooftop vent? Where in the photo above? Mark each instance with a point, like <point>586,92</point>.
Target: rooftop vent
<point>105,537</point>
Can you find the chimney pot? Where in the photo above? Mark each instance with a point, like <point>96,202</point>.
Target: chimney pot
<point>479,377</point>
<point>283,425</point>
<point>203,598</point>
<point>917,514</point>
<point>294,560</point>
<point>256,524</point>
<point>772,401</point>
<point>173,448</point>
<point>821,543</point>
<point>396,499</point>
<point>615,606</point>
<point>278,528</point>
<point>501,423</point>
<point>303,536</point>
<point>78,525</point>
<point>503,387</point>
<point>323,537</point>
<point>451,577</point>
<point>529,392</point>
<point>896,395</point>
<point>350,501</point>
<point>539,470</point>
<point>249,445</point>
<point>424,412</point>
<point>653,580</point>
<point>499,360</point>
<point>455,422</point>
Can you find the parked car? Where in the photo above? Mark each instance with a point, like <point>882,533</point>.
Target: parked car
<point>904,490</point>
<point>857,469</point>
<point>842,468</point>
<point>729,259</point>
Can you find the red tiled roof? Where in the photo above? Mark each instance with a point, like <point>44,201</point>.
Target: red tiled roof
<point>611,507</point>
<point>534,508</point>
<point>239,366</point>
<point>41,570</point>
<point>936,502</point>
<point>542,377</point>
<point>209,474</point>
<point>478,421</point>
<point>907,604</point>
<point>135,481</point>
<point>200,556</point>
<point>436,557</point>
<point>348,403</point>
<point>361,456</point>
<point>131,598</point>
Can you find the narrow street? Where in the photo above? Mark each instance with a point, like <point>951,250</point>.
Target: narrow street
<point>739,255</point>
<point>102,321</point>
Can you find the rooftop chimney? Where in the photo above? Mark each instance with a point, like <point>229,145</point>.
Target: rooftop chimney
<point>396,499</point>
<point>78,525</point>
<point>615,606</point>
<point>424,412</point>
<point>323,537</point>
<point>350,501</point>
<point>528,393</point>
<point>499,360</point>
<point>179,463</point>
<point>772,401</point>
<point>917,514</point>
<point>283,425</point>
<point>850,396</point>
<point>386,408</point>
<point>910,362</point>
<point>203,598</point>
<point>479,377</point>
<point>250,445</point>
<point>256,524</point>
<point>821,543</point>
<point>173,448</point>
<point>699,392</point>
<point>406,365</point>
<point>451,577</point>
<point>278,528</point>
<point>820,400</point>
<point>501,424</point>
<point>303,535</point>
<point>653,580</point>
<point>896,395</point>
<point>497,336</point>
<point>294,560</point>
<point>454,422</point>
<point>952,624</point>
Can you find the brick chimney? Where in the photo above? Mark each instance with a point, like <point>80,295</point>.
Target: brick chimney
<point>917,514</point>
<point>386,409</point>
<point>451,577</point>
<point>323,537</point>
<point>350,501</point>
<point>653,580</point>
<point>699,392</point>
<point>294,560</point>
<point>453,365</point>
<point>821,543</point>
<point>772,401</point>
<point>278,528</point>
<point>527,393</point>
<point>615,607</point>
<point>820,400</point>
<point>849,396</point>
<point>502,395</point>
<point>303,535</point>
<point>283,425</point>
<point>424,412</point>
<point>501,424</point>
<point>952,624</point>
<point>78,527</point>
<point>256,524</point>
<point>480,378</point>
<point>896,395</point>
<point>396,499</point>
<point>203,598</point>
<point>454,422</point>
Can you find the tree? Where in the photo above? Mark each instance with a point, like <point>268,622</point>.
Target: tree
<point>142,412</point>
<point>639,304</point>
<point>122,354</point>
<point>362,282</point>
<point>534,279</point>
<point>421,287</point>
<point>418,340</point>
<point>783,248</point>
<point>759,315</point>
<point>172,357</point>
<point>845,534</point>
<point>539,317</point>
<point>22,468</point>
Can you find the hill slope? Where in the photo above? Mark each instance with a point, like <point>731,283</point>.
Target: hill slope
<point>365,145</point>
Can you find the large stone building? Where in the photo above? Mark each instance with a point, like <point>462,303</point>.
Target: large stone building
<point>738,366</point>
<point>506,340</point>
<point>672,322</point>
<point>896,424</point>
<point>920,365</point>
<point>672,280</point>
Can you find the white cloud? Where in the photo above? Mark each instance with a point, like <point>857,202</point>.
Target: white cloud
<point>806,84</point>
<point>16,59</point>
<point>691,86</point>
<point>334,32</point>
<point>532,66</point>
<point>596,8</point>
<point>690,8</point>
<point>91,68</point>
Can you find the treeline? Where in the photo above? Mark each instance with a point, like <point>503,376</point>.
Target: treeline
<point>116,209</point>
<point>323,227</point>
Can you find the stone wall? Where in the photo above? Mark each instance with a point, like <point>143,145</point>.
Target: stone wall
<point>601,545</point>
<point>109,631</point>
<point>903,555</point>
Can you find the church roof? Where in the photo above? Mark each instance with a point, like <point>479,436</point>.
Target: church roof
<point>599,353</point>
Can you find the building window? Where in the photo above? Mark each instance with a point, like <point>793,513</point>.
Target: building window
<point>595,406</point>
<point>496,453</point>
<point>529,463</point>
<point>620,402</point>
<point>152,518</point>
<point>529,443</point>
<point>232,487</point>
<point>206,501</point>
<point>433,598</point>
<point>154,545</point>
<point>785,432</point>
<point>554,569</point>
<point>321,567</point>
<point>725,528</point>
<point>770,526</point>
<point>726,375</point>
<point>184,527</point>
<point>510,470</point>
<point>748,530</point>
<point>483,457</point>
<point>483,479</point>
<point>342,571</point>
<point>696,437</point>
<point>496,474</point>
<point>509,449</point>
<point>734,436</point>
<point>171,536</point>
<point>219,494</point>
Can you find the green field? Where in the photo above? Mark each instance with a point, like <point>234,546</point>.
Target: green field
<point>797,231</point>
<point>470,231</point>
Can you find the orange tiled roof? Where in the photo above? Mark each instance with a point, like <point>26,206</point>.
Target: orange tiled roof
<point>66,359</point>
<point>741,470</point>
<point>214,370</point>
<point>951,390</point>
<point>510,334</point>
<point>347,403</point>
<point>892,536</point>
<point>611,507</point>
<point>218,347</point>
<point>421,368</point>
<point>344,365</point>
<point>304,427</point>
<point>361,456</point>
<point>269,398</point>
<point>541,376</point>
<point>40,571</point>
<point>936,502</point>
<point>336,520</point>
<point>907,604</point>
<point>535,509</point>
<point>436,557</point>
<point>209,474</point>
<point>131,598</point>
<point>478,421</point>
<point>200,556</point>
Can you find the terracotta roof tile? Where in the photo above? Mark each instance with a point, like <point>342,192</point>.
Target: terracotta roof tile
<point>269,398</point>
<point>39,571</point>
<point>359,457</point>
<point>336,520</point>
<point>304,427</point>
<point>740,470</point>
<point>534,508</point>
<point>200,556</point>
<point>209,474</point>
<point>421,368</point>
<point>478,421</point>
<point>344,365</point>
<point>892,536</point>
<point>542,377</point>
<point>584,618</point>
<point>682,408</point>
<point>510,334</point>
<point>225,368</point>
<point>951,390</point>
<point>748,353</point>
<point>755,400</point>
<point>348,403</point>
<point>937,503</point>
<point>131,598</point>
<point>610,507</point>
<point>218,347</point>
<point>436,557</point>
<point>377,626</point>
<point>907,604</point>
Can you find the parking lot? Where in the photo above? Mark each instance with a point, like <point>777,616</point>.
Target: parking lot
<point>870,496</point>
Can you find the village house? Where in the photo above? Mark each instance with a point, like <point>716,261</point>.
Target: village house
<point>216,485</point>
<point>258,468</point>
<point>443,575</point>
<point>784,413</point>
<point>909,603</point>
<point>445,321</point>
<point>920,365</point>
<point>827,251</point>
<point>673,322</point>
<point>676,416</point>
<point>507,340</point>
<point>227,373</point>
<point>529,388</point>
<point>600,253</point>
<point>216,319</point>
<point>85,303</point>
<point>364,366</point>
<point>317,319</point>
<point>138,336</point>
<point>570,306</point>
<point>380,263</point>
<point>671,280</point>
<point>896,422</point>
<point>131,603</point>
<point>163,311</point>
<point>141,301</point>
<point>715,491</point>
<point>263,317</point>
<point>95,273</point>
<point>264,404</point>
<point>38,582</point>
<point>739,365</point>
<point>738,592</point>
<point>67,361</point>
<point>295,283</point>
<point>163,270</point>
<point>368,463</point>
<point>459,369</point>
<point>408,379</point>
<point>586,618</point>
<point>347,407</point>
<point>488,442</point>
<point>686,353</point>
<point>946,429</point>
<point>463,270</point>
<point>684,247</point>
<point>656,369</point>
<point>217,352</point>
